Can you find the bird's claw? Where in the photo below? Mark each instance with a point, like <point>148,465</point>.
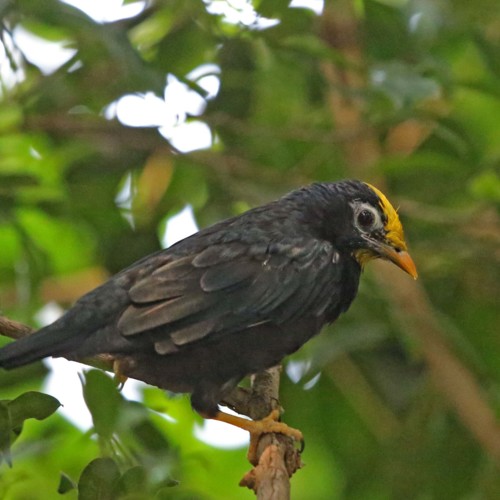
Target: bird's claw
<point>119,377</point>
<point>270,425</point>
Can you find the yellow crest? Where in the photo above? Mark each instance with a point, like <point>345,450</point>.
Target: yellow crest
<point>393,226</point>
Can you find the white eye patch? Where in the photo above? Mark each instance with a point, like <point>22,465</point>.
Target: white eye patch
<point>366,217</point>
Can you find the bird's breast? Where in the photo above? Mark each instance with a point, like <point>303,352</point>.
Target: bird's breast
<point>343,291</point>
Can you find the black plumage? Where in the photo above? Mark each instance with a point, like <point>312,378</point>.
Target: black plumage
<point>233,299</point>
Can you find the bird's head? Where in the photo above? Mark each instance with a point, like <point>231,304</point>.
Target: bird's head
<point>378,230</point>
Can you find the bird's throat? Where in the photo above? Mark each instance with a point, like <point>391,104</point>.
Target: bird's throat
<point>363,255</point>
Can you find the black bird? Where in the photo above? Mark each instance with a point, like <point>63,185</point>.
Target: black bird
<point>233,299</point>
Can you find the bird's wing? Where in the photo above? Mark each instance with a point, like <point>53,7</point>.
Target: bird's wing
<point>230,287</point>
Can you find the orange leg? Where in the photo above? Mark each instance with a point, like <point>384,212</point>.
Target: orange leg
<point>256,428</point>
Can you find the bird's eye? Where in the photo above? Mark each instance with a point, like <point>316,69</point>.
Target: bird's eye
<point>365,219</point>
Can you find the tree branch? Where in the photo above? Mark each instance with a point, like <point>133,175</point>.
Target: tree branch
<point>13,329</point>
<point>277,457</point>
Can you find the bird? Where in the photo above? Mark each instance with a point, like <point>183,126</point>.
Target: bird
<point>234,298</point>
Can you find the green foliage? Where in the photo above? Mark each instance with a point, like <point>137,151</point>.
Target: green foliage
<point>99,480</point>
<point>376,426</point>
<point>14,412</point>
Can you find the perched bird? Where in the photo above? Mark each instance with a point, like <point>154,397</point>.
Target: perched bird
<point>233,299</point>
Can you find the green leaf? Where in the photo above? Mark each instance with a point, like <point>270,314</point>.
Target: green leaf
<point>31,405</point>
<point>155,399</point>
<point>65,484</point>
<point>134,480</point>
<point>103,401</point>
<point>98,480</point>
<point>150,437</point>
<point>13,413</point>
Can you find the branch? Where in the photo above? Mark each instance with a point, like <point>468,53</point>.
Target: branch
<point>277,457</point>
<point>13,329</point>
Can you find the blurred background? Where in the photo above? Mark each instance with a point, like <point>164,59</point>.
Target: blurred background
<point>125,125</point>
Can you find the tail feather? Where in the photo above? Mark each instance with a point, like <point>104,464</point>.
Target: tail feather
<point>49,341</point>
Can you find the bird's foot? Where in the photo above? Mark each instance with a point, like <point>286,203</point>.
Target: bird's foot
<point>257,428</point>
<point>118,374</point>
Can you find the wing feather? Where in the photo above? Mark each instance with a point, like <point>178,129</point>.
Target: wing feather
<point>137,318</point>
<point>226,275</point>
<point>227,288</point>
<point>217,254</point>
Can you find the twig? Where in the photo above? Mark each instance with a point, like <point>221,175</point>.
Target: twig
<point>13,329</point>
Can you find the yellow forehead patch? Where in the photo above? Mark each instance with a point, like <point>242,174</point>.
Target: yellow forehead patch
<point>393,226</point>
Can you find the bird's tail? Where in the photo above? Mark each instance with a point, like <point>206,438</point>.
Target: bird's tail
<point>49,341</point>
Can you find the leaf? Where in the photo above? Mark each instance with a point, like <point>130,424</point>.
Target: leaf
<point>134,480</point>
<point>103,401</point>
<point>150,437</point>
<point>156,399</point>
<point>65,484</point>
<point>13,413</point>
<point>151,186</point>
<point>31,405</point>
<point>98,480</point>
